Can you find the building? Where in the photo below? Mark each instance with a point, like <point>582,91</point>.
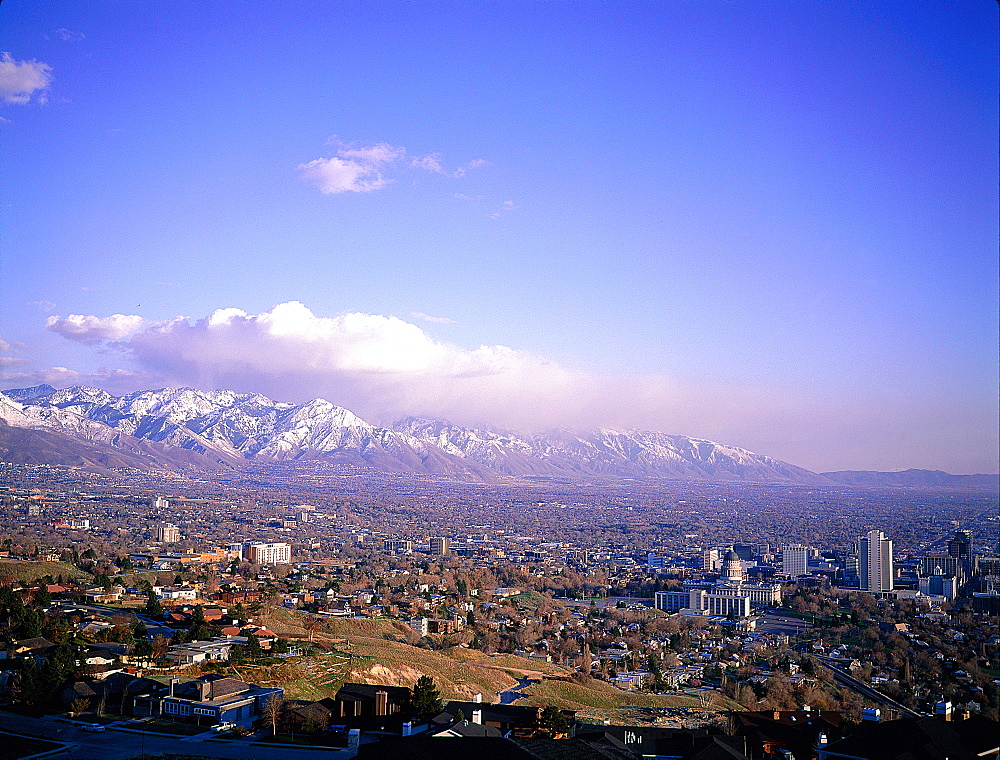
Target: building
<point>875,562</point>
<point>158,502</point>
<point>710,560</point>
<point>210,700</point>
<point>167,533</point>
<point>440,545</point>
<point>732,568</point>
<point>960,547</point>
<point>269,554</point>
<point>939,584</point>
<point>794,560</point>
<point>398,546</point>
<point>730,596</point>
<point>370,707</point>
<point>926,738</point>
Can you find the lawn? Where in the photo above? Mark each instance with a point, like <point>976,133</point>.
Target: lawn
<point>13,746</point>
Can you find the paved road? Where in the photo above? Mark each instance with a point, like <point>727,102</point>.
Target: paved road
<point>864,689</point>
<point>776,622</point>
<point>120,745</point>
<point>511,695</point>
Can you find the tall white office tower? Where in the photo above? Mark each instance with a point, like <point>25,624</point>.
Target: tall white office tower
<point>875,562</point>
<point>794,560</point>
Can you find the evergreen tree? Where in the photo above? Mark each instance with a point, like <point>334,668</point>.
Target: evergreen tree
<point>553,720</point>
<point>143,649</point>
<point>42,596</point>
<point>426,701</point>
<point>153,607</point>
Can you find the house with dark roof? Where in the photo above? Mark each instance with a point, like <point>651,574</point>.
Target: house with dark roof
<point>209,700</point>
<point>930,738</point>
<point>517,719</point>
<point>118,692</point>
<point>768,732</point>
<point>665,742</point>
<point>371,706</point>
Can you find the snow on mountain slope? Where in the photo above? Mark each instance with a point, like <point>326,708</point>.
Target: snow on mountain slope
<point>229,426</point>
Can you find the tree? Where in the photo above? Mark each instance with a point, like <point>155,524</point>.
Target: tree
<point>271,711</point>
<point>153,607</point>
<point>553,721</point>
<point>143,650</point>
<point>426,701</point>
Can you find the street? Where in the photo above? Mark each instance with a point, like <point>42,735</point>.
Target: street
<point>119,745</point>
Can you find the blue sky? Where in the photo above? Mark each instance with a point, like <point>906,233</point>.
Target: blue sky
<point>768,224</point>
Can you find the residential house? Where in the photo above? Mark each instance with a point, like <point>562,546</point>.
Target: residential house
<point>210,700</point>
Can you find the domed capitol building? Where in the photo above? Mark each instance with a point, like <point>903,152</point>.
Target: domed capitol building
<point>730,596</point>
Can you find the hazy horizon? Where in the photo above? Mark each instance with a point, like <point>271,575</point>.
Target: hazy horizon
<point>768,224</point>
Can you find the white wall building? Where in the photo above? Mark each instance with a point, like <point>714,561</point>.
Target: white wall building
<point>269,554</point>
<point>875,562</point>
<point>794,560</point>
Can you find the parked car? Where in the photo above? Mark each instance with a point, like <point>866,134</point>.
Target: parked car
<point>93,727</point>
<point>225,727</point>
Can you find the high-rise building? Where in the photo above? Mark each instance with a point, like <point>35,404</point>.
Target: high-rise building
<point>794,560</point>
<point>440,545</point>
<point>960,547</point>
<point>710,560</point>
<point>875,562</point>
<point>269,554</point>
<point>167,533</point>
<point>158,502</point>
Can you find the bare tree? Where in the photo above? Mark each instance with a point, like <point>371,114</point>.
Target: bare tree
<point>311,624</point>
<point>272,711</point>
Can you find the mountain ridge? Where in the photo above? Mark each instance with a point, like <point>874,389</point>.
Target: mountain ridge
<point>186,428</point>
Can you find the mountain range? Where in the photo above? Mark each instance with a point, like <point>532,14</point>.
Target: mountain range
<point>178,429</point>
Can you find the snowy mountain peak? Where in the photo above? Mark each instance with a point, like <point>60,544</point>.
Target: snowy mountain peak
<point>227,426</point>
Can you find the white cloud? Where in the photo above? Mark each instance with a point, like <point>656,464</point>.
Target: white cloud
<point>355,170</point>
<point>380,367</point>
<point>431,163</point>
<point>503,209</point>
<point>88,329</point>
<point>384,367</point>
<point>68,35</point>
<point>429,318</point>
<point>364,169</point>
<point>45,306</point>
<point>21,80</point>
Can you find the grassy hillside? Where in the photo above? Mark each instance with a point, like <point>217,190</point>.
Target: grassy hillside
<point>600,694</point>
<point>27,572</point>
<point>381,651</point>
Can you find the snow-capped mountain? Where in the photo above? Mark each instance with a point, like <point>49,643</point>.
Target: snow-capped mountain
<point>629,453</point>
<point>229,428</point>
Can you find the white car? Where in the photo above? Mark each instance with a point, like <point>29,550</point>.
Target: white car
<point>224,727</point>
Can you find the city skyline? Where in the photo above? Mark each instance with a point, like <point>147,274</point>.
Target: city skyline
<point>771,225</point>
